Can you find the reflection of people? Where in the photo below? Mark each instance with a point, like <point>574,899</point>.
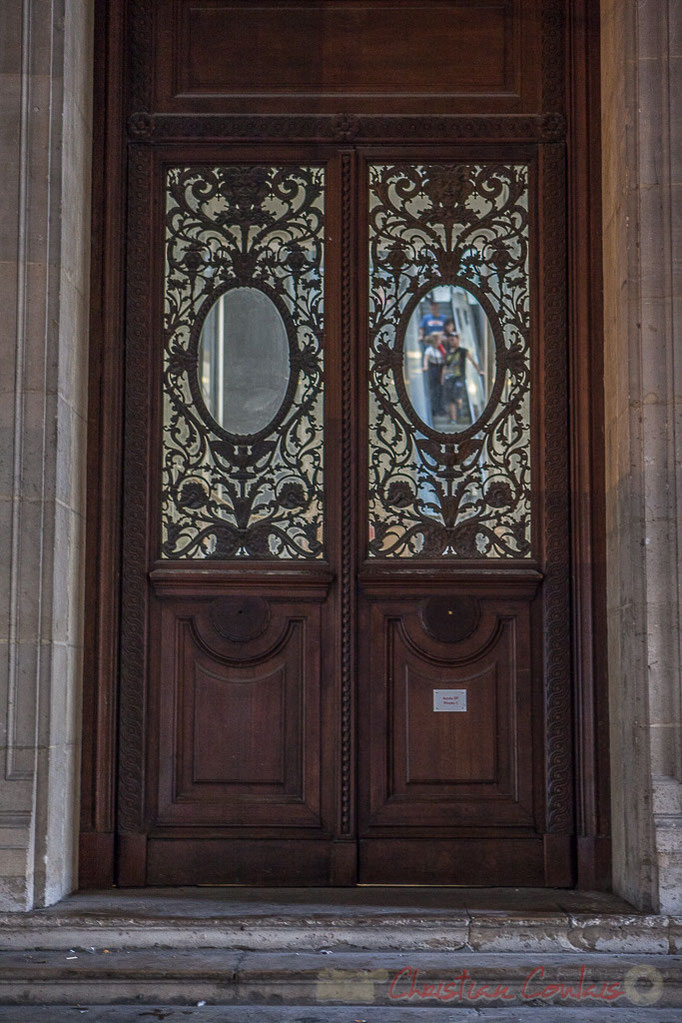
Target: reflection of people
<point>434,358</point>
<point>454,375</point>
<point>431,323</point>
<point>448,330</point>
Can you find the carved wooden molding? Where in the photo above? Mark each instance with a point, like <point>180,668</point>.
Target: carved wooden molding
<point>181,580</point>
<point>553,35</point>
<point>145,126</point>
<point>558,703</point>
<point>134,609</point>
<point>347,616</point>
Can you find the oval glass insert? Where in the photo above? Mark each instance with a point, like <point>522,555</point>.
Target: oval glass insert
<point>449,359</point>
<point>243,361</point>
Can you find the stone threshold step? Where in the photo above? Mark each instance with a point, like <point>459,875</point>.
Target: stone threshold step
<point>456,930</point>
<point>425,980</point>
<point>329,1014</point>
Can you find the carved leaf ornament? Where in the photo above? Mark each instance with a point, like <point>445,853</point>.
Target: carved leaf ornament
<point>449,495</point>
<point>258,495</point>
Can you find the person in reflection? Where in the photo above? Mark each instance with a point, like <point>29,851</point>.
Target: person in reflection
<point>431,323</point>
<point>454,377</point>
<point>448,333</point>
<point>434,359</point>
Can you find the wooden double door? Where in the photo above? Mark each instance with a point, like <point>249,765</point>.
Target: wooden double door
<point>345,624</point>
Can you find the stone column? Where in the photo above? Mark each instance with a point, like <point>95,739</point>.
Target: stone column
<point>641,92</point>
<point>45,144</point>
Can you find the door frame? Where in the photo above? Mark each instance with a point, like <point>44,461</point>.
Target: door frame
<point>581,131</point>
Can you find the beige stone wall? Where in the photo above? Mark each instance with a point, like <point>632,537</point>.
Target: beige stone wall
<point>45,142</point>
<point>641,90</point>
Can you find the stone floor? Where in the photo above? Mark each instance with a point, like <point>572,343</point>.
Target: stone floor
<point>243,955</point>
<point>339,1014</point>
<point>361,900</point>
<point>373,918</point>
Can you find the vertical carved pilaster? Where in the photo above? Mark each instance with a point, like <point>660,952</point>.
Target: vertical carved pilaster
<point>135,556</point>
<point>347,496</point>
<point>558,706</point>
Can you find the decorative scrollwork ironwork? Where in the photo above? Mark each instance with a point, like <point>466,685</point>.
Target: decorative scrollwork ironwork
<point>465,494</point>
<point>243,496</point>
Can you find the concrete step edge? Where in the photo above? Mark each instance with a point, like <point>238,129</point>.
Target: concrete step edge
<point>478,932</point>
<point>161,963</point>
<point>177,978</point>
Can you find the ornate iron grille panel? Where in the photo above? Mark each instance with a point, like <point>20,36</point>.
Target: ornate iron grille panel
<point>256,491</point>
<point>455,492</point>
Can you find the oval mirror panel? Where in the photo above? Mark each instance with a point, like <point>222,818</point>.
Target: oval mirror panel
<point>243,361</point>
<point>449,359</point>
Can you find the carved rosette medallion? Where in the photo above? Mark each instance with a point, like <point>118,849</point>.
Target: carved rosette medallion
<point>239,619</point>
<point>450,619</point>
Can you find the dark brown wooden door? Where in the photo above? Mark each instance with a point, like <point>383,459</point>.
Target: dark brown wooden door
<point>344,586</point>
<point>350,560</point>
<point>333,637</point>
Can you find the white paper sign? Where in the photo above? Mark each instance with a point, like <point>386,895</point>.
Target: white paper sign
<point>450,699</point>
